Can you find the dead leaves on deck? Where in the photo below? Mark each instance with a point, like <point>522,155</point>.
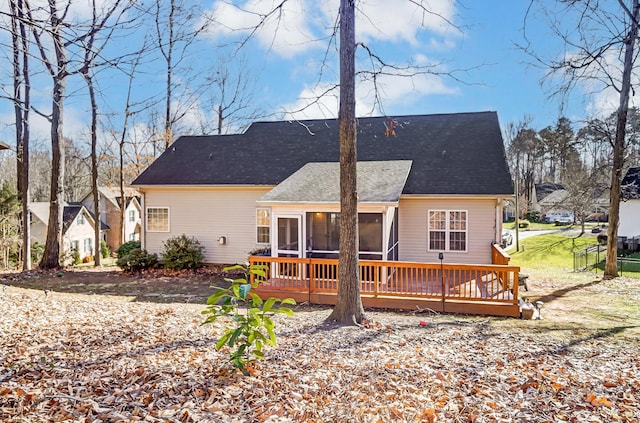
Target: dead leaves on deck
<point>100,359</point>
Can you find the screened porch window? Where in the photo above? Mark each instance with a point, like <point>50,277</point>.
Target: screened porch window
<point>323,233</point>
<point>447,230</point>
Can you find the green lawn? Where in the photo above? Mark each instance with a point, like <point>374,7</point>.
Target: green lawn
<point>549,250</point>
<point>553,252</point>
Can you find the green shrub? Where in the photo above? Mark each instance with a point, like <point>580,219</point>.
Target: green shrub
<point>137,260</point>
<point>523,224</point>
<point>126,248</point>
<point>37,250</point>
<point>248,332</point>
<point>104,249</point>
<point>533,216</point>
<point>75,257</point>
<point>182,252</point>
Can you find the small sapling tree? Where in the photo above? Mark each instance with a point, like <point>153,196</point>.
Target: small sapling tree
<point>251,328</point>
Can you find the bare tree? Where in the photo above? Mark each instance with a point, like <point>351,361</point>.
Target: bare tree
<point>57,67</point>
<point>230,93</point>
<point>92,50</point>
<point>22,104</point>
<point>348,309</point>
<point>600,50</point>
<point>176,28</point>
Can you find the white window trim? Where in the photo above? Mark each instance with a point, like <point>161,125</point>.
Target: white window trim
<point>168,218</point>
<point>268,225</point>
<point>447,231</point>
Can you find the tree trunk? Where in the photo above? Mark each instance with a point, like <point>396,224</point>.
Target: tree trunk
<point>94,165</point>
<point>348,309</point>
<point>52,250</point>
<point>611,266</point>
<point>26,132</point>
<point>21,85</point>
<point>52,247</point>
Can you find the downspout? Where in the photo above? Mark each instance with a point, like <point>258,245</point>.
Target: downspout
<point>143,221</point>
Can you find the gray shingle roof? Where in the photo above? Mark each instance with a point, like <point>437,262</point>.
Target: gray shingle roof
<point>631,184</point>
<point>459,153</point>
<point>320,183</point>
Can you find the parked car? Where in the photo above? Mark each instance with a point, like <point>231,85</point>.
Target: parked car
<point>559,217</point>
<point>507,238</point>
<point>597,217</point>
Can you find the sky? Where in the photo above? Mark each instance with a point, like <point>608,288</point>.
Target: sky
<point>471,45</point>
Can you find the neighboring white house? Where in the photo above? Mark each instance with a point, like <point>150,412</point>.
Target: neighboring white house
<point>427,184</point>
<point>77,228</point>
<point>630,204</point>
<point>109,206</point>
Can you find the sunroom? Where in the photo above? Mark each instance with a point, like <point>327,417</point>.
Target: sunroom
<point>304,210</point>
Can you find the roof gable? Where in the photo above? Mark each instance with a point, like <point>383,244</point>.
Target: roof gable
<point>452,153</point>
<point>377,182</point>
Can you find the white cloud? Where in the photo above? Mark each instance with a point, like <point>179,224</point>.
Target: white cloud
<point>394,92</point>
<point>300,25</point>
<point>286,31</point>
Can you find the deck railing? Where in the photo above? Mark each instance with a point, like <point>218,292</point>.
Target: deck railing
<point>498,255</point>
<point>311,277</point>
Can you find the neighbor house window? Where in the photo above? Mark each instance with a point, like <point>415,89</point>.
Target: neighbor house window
<point>447,230</point>
<point>158,219</point>
<point>132,215</point>
<point>87,245</point>
<point>263,225</point>
<point>75,245</point>
<point>80,219</point>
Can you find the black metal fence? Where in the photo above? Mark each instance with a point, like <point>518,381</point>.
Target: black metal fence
<point>589,258</point>
<point>628,265</point>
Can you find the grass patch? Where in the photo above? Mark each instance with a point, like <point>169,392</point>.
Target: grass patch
<point>108,261</point>
<point>550,250</point>
<point>627,266</point>
<point>535,226</point>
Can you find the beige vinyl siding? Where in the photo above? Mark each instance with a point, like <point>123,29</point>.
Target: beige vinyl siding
<point>412,225</point>
<point>629,223</point>
<point>130,227</point>
<point>207,214</point>
<point>38,231</point>
<point>79,233</point>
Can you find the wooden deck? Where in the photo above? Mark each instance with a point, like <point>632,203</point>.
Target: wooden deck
<point>453,288</point>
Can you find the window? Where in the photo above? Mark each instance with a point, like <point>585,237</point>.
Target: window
<point>75,245</point>
<point>132,215</point>
<point>80,219</point>
<point>447,230</point>
<point>263,225</point>
<point>87,245</point>
<point>323,234</point>
<point>158,219</point>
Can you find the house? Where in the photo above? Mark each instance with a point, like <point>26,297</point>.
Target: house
<point>548,198</point>
<point>630,204</point>
<point>109,206</point>
<point>427,184</point>
<point>78,225</point>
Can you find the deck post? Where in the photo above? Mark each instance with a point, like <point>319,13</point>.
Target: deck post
<point>312,276</point>
<point>441,258</point>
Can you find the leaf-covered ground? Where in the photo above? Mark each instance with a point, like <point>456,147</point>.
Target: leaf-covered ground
<point>93,358</point>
